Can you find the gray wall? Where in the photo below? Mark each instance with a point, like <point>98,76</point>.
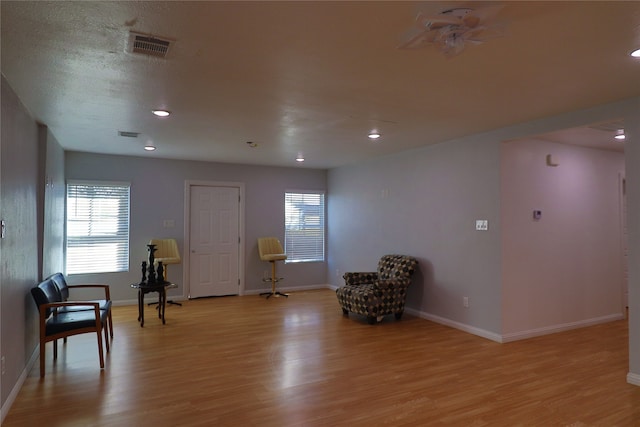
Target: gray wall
<point>157,194</point>
<point>19,261</point>
<point>424,203</point>
<point>54,203</point>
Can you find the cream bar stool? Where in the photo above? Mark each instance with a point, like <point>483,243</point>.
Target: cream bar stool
<point>271,250</point>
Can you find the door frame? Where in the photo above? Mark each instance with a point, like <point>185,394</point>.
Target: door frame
<point>624,244</point>
<point>187,227</point>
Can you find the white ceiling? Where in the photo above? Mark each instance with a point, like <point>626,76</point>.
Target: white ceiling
<point>309,77</point>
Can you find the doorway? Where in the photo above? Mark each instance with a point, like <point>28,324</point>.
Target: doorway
<point>214,238</point>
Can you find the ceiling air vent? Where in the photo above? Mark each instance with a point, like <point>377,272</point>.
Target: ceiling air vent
<point>148,45</point>
<point>127,134</point>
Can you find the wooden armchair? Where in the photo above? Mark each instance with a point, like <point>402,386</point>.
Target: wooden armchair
<point>105,304</point>
<point>60,319</point>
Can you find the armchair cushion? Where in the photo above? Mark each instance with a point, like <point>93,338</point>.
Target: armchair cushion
<point>376,294</point>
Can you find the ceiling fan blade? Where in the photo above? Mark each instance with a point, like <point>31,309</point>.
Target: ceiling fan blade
<point>435,22</point>
<point>415,39</point>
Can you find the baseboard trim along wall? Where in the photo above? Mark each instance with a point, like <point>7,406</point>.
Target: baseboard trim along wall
<point>16,388</point>
<point>285,289</point>
<point>456,325</point>
<point>633,378</point>
<point>515,336</point>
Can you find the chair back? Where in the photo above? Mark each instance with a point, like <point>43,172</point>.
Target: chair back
<point>166,251</point>
<point>396,266</point>
<point>61,283</point>
<point>269,246</point>
<point>46,292</point>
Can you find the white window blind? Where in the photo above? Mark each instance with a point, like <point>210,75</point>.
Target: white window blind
<point>97,227</point>
<point>304,226</point>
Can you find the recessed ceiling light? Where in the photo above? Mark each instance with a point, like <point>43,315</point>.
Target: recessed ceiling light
<point>300,158</point>
<point>374,135</point>
<point>161,113</point>
<point>149,146</point>
<point>620,135</point>
<point>635,53</point>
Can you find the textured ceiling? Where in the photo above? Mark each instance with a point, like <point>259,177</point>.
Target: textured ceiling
<point>306,77</point>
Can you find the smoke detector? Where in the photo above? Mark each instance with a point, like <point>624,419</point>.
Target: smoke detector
<point>147,44</point>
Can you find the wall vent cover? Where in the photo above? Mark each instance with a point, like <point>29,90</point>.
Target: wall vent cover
<point>148,45</point>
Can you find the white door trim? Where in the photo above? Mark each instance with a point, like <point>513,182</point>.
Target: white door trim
<point>187,226</point>
<point>624,248</point>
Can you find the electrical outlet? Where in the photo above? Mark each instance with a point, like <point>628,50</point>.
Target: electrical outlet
<point>465,302</point>
<point>482,224</point>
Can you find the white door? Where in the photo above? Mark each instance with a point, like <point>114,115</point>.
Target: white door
<point>214,240</point>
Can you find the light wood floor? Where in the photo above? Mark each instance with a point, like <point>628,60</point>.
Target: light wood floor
<point>247,361</point>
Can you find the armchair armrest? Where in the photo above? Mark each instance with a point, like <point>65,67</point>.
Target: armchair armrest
<point>359,278</point>
<point>107,294</point>
<point>55,305</point>
<point>392,283</point>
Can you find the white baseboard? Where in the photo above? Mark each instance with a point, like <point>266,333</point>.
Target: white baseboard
<point>18,385</point>
<point>457,325</point>
<point>246,292</point>
<point>515,336</point>
<point>285,289</point>
<point>633,378</point>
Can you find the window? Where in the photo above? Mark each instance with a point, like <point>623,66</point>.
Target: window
<point>304,226</point>
<point>97,227</point>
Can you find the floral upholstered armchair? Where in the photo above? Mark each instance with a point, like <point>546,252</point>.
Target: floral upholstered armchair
<point>377,294</point>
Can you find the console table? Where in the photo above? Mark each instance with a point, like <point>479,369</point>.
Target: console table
<point>146,288</point>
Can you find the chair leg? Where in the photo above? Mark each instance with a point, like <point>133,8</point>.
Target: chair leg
<point>100,349</point>
<point>42,347</point>
<point>274,279</point>
<point>106,336</point>
<point>110,324</point>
